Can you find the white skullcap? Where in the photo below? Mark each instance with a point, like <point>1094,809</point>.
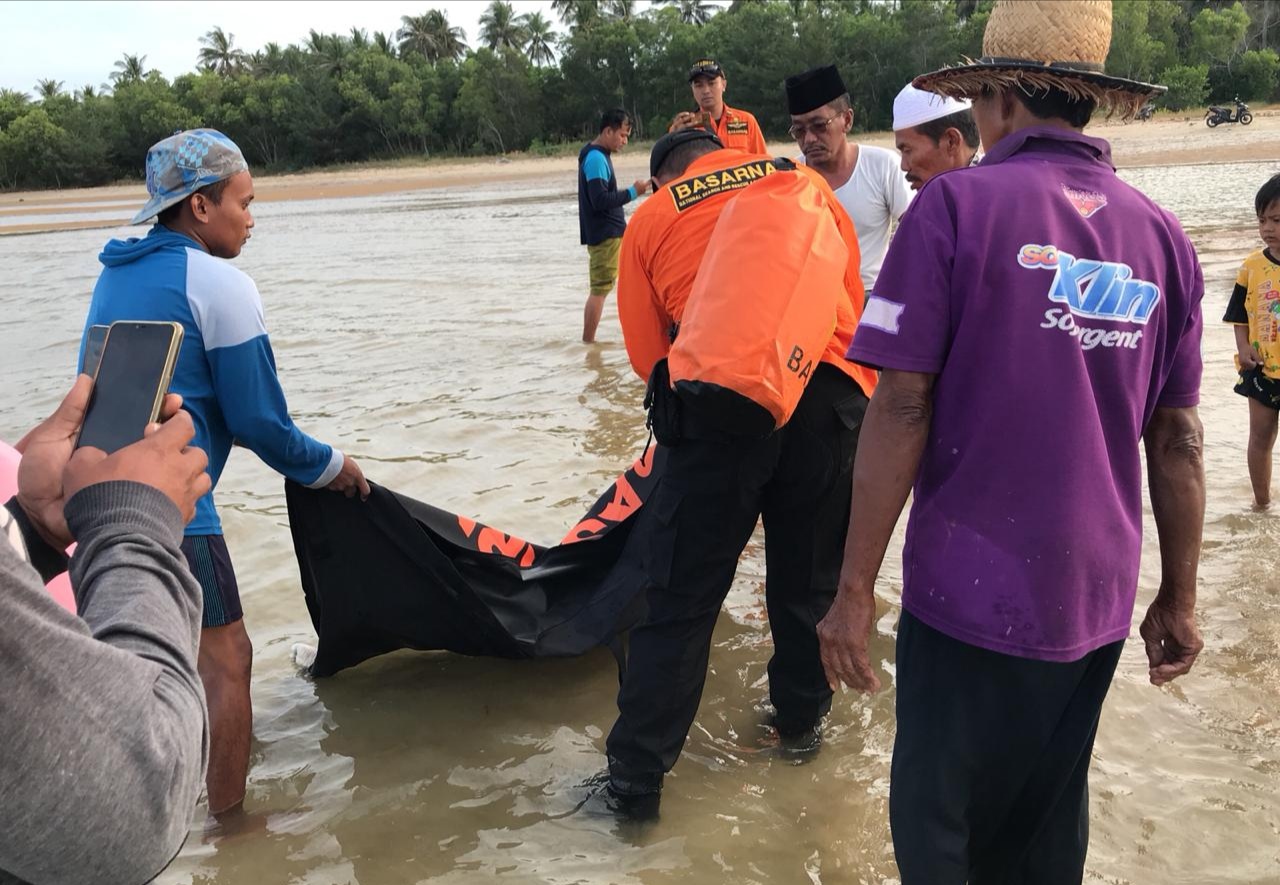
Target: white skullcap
<point>915,106</point>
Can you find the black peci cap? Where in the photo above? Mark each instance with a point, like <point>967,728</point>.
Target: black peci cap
<point>815,87</point>
<point>672,140</point>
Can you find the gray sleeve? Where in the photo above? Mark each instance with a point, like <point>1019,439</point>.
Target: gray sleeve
<point>102,716</point>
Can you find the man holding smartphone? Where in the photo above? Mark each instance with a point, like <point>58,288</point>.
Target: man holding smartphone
<point>102,718</point>
<point>201,190</point>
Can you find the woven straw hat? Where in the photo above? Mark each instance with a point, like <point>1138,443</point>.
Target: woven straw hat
<point>1038,44</point>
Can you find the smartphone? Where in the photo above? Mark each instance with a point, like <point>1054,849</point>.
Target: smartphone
<point>92,350</point>
<point>132,378</point>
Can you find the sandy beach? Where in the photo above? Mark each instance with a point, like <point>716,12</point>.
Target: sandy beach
<point>1164,141</point>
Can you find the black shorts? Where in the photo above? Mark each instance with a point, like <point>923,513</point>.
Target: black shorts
<point>1255,385</point>
<point>210,562</point>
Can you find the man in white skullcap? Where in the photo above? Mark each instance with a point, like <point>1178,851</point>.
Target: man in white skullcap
<point>933,133</point>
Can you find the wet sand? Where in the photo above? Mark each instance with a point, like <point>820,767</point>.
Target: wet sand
<point>1165,141</point>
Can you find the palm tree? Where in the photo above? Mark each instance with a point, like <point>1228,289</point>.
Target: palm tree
<point>693,12</point>
<point>499,27</point>
<point>48,89</point>
<point>620,10</point>
<point>329,52</point>
<point>576,14</point>
<point>129,69</point>
<point>540,47</point>
<point>88,92</point>
<point>359,38</point>
<point>431,35</point>
<point>270,60</point>
<point>315,42</point>
<point>383,44</point>
<point>219,54</point>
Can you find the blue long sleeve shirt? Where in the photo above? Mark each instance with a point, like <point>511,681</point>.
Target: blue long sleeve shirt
<point>600,203</point>
<point>226,371</point>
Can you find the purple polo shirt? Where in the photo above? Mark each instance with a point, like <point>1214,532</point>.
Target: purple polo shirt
<point>1058,308</point>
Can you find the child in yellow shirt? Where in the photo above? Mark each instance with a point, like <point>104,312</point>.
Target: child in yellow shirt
<point>1254,308</point>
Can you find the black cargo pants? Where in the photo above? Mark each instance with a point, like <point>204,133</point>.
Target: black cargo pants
<point>690,536</point>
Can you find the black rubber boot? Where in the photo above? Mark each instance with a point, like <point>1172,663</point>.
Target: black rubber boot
<point>798,738</point>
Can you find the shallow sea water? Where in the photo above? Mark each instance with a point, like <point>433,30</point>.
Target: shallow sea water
<point>433,335</point>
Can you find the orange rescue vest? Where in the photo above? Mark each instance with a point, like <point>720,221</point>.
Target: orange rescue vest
<point>763,304</point>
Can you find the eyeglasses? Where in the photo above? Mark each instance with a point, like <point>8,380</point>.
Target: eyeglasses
<point>798,130</point>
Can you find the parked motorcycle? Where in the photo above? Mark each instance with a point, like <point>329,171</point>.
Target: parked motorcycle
<point>1217,114</point>
<point>1146,111</point>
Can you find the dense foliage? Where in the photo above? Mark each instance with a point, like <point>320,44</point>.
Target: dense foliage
<point>422,91</point>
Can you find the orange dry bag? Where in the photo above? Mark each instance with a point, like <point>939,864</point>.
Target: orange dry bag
<point>763,305</point>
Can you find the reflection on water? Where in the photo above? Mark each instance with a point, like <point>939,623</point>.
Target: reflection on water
<point>433,335</point>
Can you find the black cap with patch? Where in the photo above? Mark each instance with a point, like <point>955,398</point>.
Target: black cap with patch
<point>672,140</point>
<point>815,87</point>
<point>705,67</point>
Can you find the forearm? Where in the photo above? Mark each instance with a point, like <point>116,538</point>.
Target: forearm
<point>292,453</point>
<point>890,447</point>
<point>603,199</point>
<point>1175,472</point>
<point>1242,336</point>
<point>107,728</point>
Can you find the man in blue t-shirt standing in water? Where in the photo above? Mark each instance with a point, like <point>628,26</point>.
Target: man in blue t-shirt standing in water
<point>600,218</point>
<point>200,191</point>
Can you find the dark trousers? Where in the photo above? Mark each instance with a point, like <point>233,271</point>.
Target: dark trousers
<point>691,534</point>
<point>991,761</point>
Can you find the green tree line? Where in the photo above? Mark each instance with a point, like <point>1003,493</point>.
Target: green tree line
<point>521,85</point>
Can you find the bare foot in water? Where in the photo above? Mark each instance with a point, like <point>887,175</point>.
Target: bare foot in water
<point>234,823</point>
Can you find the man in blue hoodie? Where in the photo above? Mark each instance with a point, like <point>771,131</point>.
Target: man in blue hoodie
<point>201,190</point>
<point>600,217</point>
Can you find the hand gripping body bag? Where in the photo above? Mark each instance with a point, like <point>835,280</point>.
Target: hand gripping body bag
<point>762,308</point>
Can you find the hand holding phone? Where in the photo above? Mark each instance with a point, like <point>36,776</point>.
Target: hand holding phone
<point>163,460</point>
<point>91,353</point>
<point>46,449</point>
<point>133,376</point>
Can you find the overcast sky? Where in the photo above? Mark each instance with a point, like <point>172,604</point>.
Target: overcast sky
<point>79,42</point>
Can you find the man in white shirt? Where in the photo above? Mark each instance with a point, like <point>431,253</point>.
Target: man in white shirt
<point>866,179</point>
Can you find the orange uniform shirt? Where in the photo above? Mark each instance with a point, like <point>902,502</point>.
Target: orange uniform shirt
<point>664,244</point>
<point>739,130</point>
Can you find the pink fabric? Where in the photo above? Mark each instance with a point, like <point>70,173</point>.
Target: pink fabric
<point>60,586</point>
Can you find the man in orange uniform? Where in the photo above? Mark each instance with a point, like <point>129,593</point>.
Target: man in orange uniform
<point>718,483</point>
<point>735,128</point>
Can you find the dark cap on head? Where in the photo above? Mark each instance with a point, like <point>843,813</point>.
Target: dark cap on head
<point>815,87</point>
<point>705,67</point>
<point>672,140</point>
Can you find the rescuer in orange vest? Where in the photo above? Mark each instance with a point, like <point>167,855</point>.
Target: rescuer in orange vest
<point>718,481</point>
<point>735,128</point>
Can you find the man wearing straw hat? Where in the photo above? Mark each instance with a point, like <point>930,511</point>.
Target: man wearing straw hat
<point>1037,321</point>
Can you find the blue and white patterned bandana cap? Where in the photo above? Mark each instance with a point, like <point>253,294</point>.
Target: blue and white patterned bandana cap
<point>181,164</point>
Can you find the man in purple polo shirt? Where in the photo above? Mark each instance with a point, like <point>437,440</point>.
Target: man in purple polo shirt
<point>1036,319</point>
